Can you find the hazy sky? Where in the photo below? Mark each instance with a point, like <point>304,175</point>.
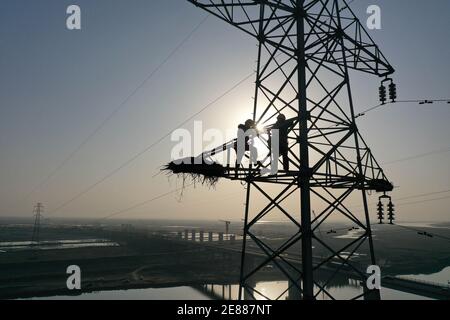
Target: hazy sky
<point>57,86</point>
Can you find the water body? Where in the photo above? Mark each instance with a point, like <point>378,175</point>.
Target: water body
<point>52,245</point>
<point>341,290</point>
<point>435,225</point>
<point>277,289</point>
<point>268,289</point>
<point>442,277</point>
<point>271,289</point>
<point>175,293</point>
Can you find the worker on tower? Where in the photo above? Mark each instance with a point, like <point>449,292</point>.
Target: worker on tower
<point>244,142</point>
<point>282,126</point>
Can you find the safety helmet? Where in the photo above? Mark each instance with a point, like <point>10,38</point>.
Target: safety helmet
<point>281,117</point>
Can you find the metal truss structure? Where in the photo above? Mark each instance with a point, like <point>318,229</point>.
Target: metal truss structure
<point>306,49</point>
<point>37,211</point>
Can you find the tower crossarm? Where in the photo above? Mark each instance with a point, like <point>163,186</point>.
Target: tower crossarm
<point>327,22</point>
<point>335,21</point>
<point>334,170</point>
<point>244,14</point>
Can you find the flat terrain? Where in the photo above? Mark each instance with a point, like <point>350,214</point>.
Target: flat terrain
<point>138,262</point>
<point>146,259</point>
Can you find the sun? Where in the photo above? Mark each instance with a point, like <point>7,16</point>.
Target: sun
<point>260,128</point>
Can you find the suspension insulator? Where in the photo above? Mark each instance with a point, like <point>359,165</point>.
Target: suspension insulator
<point>380,212</point>
<point>391,212</point>
<point>382,93</point>
<point>393,92</point>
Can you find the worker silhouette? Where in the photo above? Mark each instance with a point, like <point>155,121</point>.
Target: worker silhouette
<point>282,127</point>
<point>245,143</point>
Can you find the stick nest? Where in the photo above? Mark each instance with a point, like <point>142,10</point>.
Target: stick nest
<point>192,169</point>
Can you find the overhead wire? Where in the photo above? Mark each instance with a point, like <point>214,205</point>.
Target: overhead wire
<point>433,234</point>
<point>418,156</point>
<point>143,203</point>
<point>111,115</point>
<point>420,101</point>
<point>149,147</point>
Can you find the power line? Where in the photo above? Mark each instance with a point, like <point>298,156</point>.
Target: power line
<point>418,230</point>
<point>397,199</point>
<point>203,109</point>
<point>116,110</point>
<point>422,155</point>
<point>419,101</point>
<point>155,143</point>
<point>423,201</point>
<point>415,230</point>
<point>140,204</point>
<point>143,203</point>
<point>424,195</point>
<point>412,197</point>
<point>148,148</point>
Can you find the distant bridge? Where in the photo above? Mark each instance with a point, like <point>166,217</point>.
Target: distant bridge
<point>216,291</point>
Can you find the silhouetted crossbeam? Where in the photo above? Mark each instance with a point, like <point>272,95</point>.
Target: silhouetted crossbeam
<point>205,170</point>
<point>361,52</point>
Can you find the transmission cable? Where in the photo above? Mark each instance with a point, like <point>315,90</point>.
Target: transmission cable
<point>115,111</point>
<point>422,155</point>
<point>149,147</point>
<point>419,101</point>
<point>143,203</point>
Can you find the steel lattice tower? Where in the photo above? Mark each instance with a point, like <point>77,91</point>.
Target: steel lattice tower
<point>306,49</point>
<point>38,208</point>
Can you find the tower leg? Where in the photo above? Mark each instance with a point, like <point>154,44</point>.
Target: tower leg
<point>244,243</point>
<point>294,292</point>
<point>304,178</point>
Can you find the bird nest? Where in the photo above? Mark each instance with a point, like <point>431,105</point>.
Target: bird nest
<point>196,170</point>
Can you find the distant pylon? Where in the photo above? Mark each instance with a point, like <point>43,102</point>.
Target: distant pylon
<point>38,209</point>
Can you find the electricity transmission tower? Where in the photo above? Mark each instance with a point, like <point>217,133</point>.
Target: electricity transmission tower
<point>38,209</point>
<point>306,50</point>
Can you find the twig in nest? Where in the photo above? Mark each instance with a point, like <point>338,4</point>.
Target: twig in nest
<point>203,173</point>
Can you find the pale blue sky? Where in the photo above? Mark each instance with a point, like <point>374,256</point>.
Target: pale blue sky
<point>58,85</point>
